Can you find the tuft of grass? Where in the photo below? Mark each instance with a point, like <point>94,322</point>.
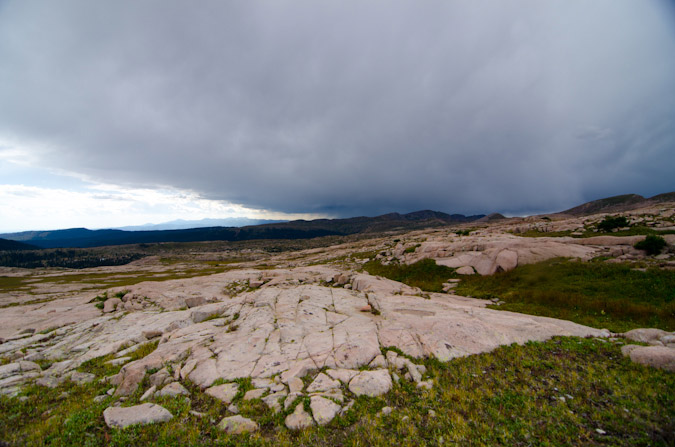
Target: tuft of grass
<point>144,350</point>
<point>613,296</point>
<point>425,274</point>
<point>412,249</point>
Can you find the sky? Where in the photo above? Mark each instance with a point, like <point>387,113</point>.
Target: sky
<point>143,111</point>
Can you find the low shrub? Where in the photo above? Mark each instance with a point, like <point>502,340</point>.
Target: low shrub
<point>651,244</point>
<point>609,223</point>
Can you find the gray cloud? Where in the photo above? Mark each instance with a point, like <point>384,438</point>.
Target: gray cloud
<point>349,107</point>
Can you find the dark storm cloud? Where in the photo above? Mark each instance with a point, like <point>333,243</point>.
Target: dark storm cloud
<point>349,107</point>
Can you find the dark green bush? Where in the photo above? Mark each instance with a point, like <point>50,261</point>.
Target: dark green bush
<point>611,222</point>
<point>651,244</point>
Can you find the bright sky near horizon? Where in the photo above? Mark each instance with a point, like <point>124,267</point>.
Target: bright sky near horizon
<point>133,112</point>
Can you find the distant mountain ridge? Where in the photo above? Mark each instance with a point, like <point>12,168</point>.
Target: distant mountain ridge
<point>6,244</point>
<point>299,229</point>
<point>181,224</point>
<point>618,204</point>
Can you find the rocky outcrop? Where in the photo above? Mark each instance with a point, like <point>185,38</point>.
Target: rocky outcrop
<point>661,353</point>
<point>291,331</point>
<point>13,375</point>
<point>488,254</point>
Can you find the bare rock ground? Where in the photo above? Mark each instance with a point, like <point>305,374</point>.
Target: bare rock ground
<point>282,329</point>
<point>307,313</point>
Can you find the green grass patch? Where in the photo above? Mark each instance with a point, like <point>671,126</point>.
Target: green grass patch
<point>412,249</point>
<point>102,368</point>
<point>637,230</point>
<point>144,350</point>
<point>425,274</point>
<point>613,296</point>
<point>555,393</point>
<point>12,283</point>
<point>98,280</point>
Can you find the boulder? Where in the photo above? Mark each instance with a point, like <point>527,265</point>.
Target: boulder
<point>129,380</point>
<point>646,335</point>
<point>236,425</point>
<point>225,392</point>
<point>506,260</point>
<point>160,377</point>
<point>627,349</point>
<point>342,374</point>
<point>255,394</point>
<point>371,383</point>
<point>324,410</point>
<point>340,279</point>
<point>272,400</point>
<point>120,417</point>
<point>322,383</point>
<point>111,304</point>
<point>81,378</point>
<point>299,419</point>
<point>172,390</point>
<point>656,356</point>
<point>255,283</point>
<point>148,394</point>
<point>49,381</point>
<point>194,301</point>
<point>465,270</point>
<point>153,333</point>
<point>295,385</point>
<point>378,362</point>
<point>262,383</point>
<point>335,395</point>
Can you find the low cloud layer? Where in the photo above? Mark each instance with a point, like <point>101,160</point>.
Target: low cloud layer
<point>347,108</point>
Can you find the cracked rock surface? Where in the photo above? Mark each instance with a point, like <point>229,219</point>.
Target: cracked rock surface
<point>288,330</point>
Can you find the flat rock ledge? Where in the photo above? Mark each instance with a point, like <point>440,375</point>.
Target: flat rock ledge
<point>120,417</point>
